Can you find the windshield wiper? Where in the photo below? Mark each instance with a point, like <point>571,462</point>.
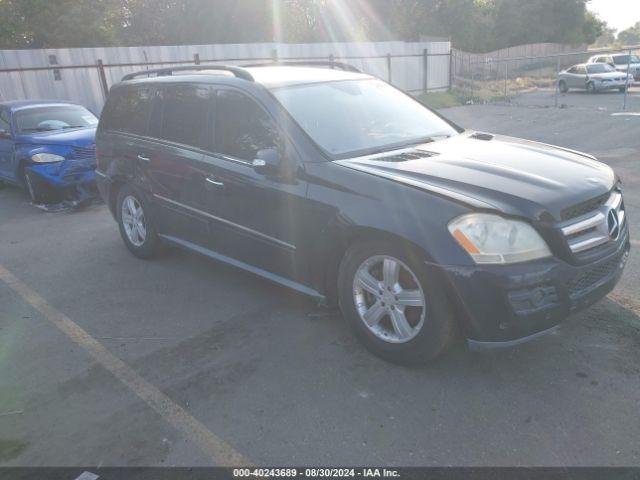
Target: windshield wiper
<point>38,129</point>
<point>73,126</point>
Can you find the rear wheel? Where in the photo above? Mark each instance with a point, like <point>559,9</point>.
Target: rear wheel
<point>562,86</point>
<point>40,191</point>
<point>397,310</point>
<point>622,89</point>
<point>136,226</point>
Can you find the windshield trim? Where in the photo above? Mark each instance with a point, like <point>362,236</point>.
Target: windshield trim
<point>362,152</point>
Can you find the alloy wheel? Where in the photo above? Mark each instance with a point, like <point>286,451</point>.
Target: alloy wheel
<point>389,299</point>
<point>133,221</point>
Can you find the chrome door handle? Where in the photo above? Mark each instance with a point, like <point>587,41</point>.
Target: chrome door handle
<point>212,180</point>
<point>144,159</point>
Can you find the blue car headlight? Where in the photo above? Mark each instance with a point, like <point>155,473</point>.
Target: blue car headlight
<point>46,158</point>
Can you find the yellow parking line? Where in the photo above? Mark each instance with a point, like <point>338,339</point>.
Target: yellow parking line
<point>174,414</point>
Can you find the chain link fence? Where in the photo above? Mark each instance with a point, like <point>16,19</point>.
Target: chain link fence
<point>535,80</point>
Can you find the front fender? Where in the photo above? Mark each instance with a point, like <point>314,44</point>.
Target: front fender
<point>346,200</point>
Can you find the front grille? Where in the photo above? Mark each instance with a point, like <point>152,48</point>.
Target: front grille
<point>596,226</point>
<point>84,153</point>
<point>584,207</point>
<point>587,281</point>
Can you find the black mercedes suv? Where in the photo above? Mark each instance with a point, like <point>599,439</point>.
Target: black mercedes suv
<point>338,185</point>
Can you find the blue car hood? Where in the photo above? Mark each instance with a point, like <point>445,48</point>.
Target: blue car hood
<point>81,137</point>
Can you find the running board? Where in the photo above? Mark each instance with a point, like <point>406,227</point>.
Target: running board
<point>285,282</point>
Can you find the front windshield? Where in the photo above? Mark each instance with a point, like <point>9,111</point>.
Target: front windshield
<point>52,118</point>
<point>624,59</point>
<point>600,68</point>
<point>360,116</point>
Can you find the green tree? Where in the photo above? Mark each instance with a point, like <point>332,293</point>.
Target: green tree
<point>474,25</point>
<point>58,23</point>
<point>630,36</point>
<point>606,38</point>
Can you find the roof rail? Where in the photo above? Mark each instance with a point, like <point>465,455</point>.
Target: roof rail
<point>310,63</point>
<point>168,71</point>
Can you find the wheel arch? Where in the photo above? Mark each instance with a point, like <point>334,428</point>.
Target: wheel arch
<point>114,189</point>
<point>351,236</point>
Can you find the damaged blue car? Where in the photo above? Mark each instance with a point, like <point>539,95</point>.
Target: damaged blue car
<point>48,147</point>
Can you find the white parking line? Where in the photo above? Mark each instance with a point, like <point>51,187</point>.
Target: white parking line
<point>221,452</point>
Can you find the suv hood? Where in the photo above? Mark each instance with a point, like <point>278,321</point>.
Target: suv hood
<point>511,175</point>
<point>81,137</point>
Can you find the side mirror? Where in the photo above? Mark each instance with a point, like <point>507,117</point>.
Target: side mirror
<point>267,161</point>
<point>5,134</point>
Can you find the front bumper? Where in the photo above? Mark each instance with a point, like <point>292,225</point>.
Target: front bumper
<point>610,85</point>
<point>504,305</point>
<point>67,173</point>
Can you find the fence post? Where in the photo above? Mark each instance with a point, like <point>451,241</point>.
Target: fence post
<point>506,76</point>
<point>274,55</point>
<point>331,60</point>
<point>626,82</point>
<point>196,59</point>
<point>453,66</point>
<point>389,67</point>
<point>425,69</point>
<point>103,78</point>
<point>557,82</point>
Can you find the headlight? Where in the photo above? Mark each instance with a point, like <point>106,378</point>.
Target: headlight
<point>46,158</point>
<point>493,239</point>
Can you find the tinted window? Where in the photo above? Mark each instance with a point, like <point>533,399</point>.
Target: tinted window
<point>625,59</point>
<point>600,68</point>
<point>572,70</point>
<point>128,110</point>
<point>45,119</point>
<point>185,115</point>
<point>242,126</point>
<point>582,70</point>
<point>356,116</point>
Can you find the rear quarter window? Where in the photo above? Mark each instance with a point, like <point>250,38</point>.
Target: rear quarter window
<point>127,110</point>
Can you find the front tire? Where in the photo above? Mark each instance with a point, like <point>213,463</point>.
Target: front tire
<point>591,87</point>
<point>136,226</point>
<point>622,89</point>
<point>562,86</point>
<point>397,310</point>
<point>39,191</point>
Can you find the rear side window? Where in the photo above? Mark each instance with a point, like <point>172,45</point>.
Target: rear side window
<point>242,126</point>
<point>185,115</point>
<point>128,110</point>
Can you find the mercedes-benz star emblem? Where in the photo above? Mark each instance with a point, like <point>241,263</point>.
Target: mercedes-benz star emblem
<point>613,225</point>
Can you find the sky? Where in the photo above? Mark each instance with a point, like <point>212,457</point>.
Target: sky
<point>619,14</point>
